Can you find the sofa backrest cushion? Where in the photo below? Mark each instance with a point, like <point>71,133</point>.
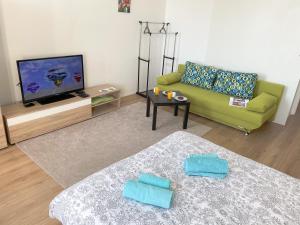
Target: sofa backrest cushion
<point>235,84</point>
<point>199,75</point>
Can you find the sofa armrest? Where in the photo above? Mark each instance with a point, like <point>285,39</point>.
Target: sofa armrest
<point>169,78</point>
<point>262,103</point>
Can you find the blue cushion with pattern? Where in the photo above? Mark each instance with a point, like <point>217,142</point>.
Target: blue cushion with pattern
<point>235,84</point>
<point>199,75</point>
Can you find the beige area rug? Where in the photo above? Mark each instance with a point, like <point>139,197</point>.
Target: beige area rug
<point>73,153</point>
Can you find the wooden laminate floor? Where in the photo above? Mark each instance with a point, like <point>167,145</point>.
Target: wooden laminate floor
<point>26,190</point>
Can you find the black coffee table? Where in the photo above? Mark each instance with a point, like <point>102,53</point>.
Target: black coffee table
<point>162,100</point>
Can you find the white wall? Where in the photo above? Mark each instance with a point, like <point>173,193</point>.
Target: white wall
<point>5,83</point>
<point>5,92</point>
<point>296,101</point>
<point>107,39</point>
<point>191,18</point>
<point>251,36</point>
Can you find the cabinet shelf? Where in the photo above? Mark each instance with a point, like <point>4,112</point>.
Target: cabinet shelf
<point>103,103</point>
<point>105,106</point>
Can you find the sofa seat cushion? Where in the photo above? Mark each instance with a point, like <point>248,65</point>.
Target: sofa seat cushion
<point>235,84</point>
<point>199,75</point>
<point>262,103</point>
<point>215,102</point>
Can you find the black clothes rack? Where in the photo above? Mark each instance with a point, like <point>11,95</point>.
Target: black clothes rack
<point>147,31</point>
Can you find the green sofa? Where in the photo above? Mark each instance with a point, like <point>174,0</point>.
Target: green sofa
<point>215,106</point>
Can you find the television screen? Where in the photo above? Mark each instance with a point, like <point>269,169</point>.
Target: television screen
<point>41,78</point>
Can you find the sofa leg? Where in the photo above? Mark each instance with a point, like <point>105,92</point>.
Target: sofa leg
<point>247,132</point>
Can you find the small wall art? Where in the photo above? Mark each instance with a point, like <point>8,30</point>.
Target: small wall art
<point>124,6</point>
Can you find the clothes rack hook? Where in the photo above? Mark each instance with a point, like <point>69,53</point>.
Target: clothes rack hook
<point>147,29</point>
<point>163,29</point>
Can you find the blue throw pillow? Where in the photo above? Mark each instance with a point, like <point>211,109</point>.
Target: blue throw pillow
<point>199,75</point>
<point>235,84</point>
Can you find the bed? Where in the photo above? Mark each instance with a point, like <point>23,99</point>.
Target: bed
<point>251,194</point>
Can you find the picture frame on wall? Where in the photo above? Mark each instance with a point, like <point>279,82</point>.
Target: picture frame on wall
<point>124,6</point>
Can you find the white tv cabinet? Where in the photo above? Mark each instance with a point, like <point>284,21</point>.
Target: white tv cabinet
<point>23,123</point>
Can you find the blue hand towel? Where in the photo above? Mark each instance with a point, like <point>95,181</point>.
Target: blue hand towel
<point>148,194</point>
<point>148,178</point>
<point>206,165</point>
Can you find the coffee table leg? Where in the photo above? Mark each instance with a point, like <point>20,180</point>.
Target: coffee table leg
<point>154,117</point>
<point>186,116</point>
<point>148,107</point>
<point>176,110</point>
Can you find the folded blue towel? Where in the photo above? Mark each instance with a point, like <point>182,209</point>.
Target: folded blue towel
<point>197,165</point>
<point>148,178</point>
<point>148,194</point>
<point>213,175</point>
<point>205,155</point>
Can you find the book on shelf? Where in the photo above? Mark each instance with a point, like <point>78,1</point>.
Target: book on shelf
<point>238,102</point>
<point>105,90</point>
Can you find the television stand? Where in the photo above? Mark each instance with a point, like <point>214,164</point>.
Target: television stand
<point>55,98</point>
<point>22,122</point>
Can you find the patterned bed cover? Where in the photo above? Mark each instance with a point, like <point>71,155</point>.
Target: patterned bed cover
<point>251,194</point>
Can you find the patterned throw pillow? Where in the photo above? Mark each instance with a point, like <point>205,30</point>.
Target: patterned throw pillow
<point>235,84</point>
<point>199,75</point>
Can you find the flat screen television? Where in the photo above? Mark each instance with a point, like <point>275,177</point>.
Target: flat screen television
<point>50,79</point>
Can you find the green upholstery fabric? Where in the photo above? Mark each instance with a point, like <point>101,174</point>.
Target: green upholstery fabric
<point>227,119</point>
<point>181,69</point>
<point>262,103</point>
<point>210,101</point>
<point>169,78</point>
<point>215,106</point>
<point>270,88</point>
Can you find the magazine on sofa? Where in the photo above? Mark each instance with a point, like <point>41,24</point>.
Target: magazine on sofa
<point>238,102</point>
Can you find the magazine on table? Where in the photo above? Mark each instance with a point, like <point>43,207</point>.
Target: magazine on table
<point>238,102</point>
